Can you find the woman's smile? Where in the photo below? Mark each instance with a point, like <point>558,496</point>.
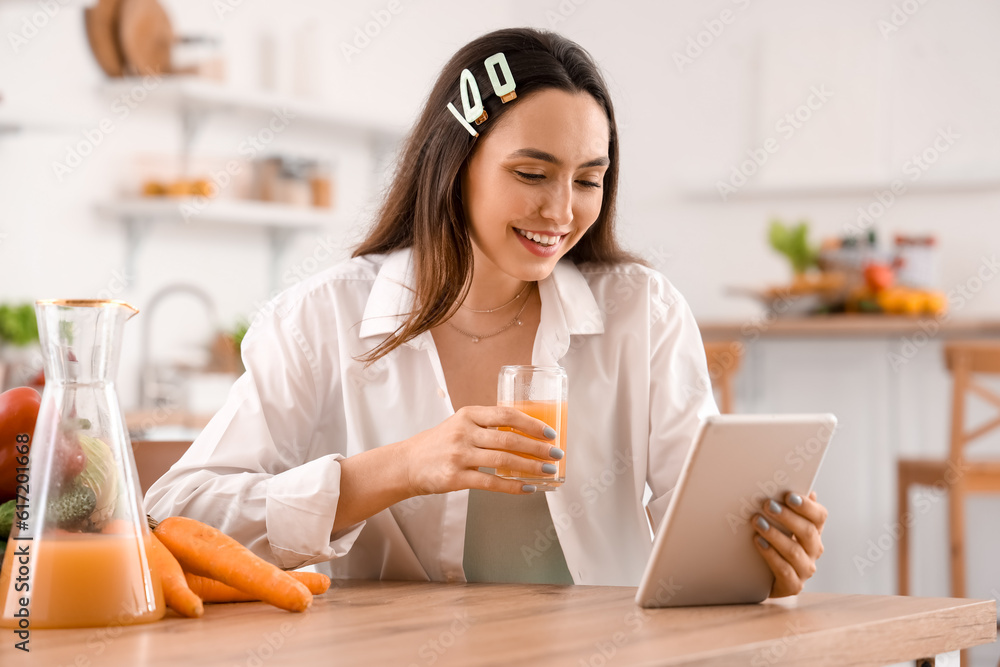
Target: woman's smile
<point>543,244</point>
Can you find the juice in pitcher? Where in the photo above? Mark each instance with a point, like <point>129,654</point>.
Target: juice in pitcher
<point>78,552</point>
<point>82,580</point>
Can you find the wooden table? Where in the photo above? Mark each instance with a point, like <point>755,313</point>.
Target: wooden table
<point>405,623</point>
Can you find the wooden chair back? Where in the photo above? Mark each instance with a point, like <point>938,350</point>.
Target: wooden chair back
<point>966,359</point>
<point>154,457</point>
<point>724,358</point>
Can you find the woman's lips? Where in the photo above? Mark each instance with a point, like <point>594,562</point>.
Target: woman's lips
<point>537,248</point>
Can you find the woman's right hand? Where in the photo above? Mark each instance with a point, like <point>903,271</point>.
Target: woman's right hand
<point>448,457</point>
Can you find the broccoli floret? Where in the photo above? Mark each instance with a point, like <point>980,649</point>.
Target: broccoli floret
<point>6,519</point>
<point>73,507</point>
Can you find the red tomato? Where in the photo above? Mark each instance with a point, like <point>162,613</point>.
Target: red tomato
<point>18,412</point>
<point>879,277</point>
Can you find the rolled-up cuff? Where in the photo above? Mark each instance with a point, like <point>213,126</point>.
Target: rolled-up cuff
<point>299,513</point>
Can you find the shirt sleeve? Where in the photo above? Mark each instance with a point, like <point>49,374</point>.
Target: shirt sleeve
<point>680,392</point>
<point>253,472</point>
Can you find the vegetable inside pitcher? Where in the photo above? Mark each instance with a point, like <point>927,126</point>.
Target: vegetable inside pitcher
<point>78,551</point>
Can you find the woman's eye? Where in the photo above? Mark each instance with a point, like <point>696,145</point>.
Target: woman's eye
<point>589,184</point>
<point>530,177</point>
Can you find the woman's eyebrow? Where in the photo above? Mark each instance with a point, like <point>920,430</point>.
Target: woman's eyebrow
<point>549,157</point>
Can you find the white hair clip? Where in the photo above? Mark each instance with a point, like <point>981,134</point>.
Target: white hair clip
<point>473,112</point>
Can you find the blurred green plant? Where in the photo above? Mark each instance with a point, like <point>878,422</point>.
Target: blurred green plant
<point>793,243</point>
<point>17,324</point>
<point>238,332</point>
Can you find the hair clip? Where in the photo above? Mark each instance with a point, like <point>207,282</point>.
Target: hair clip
<point>473,111</point>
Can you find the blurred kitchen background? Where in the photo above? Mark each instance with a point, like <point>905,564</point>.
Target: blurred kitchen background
<point>820,180</point>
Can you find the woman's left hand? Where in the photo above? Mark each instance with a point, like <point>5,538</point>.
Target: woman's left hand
<point>791,558</point>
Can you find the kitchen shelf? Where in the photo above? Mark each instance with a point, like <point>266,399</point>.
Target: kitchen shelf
<point>280,221</point>
<point>197,98</point>
<point>219,211</point>
<point>710,195</point>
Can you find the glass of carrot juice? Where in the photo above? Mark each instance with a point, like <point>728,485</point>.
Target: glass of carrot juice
<point>541,392</point>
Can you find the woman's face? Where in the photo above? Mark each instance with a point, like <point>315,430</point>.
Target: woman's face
<point>539,173</point>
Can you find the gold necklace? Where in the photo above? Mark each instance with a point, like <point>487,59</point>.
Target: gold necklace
<point>476,337</point>
<point>490,310</point>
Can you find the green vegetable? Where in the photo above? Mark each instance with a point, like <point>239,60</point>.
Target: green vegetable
<point>101,476</point>
<point>72,508</point>
<point>239,332</point>
<point>6,519</point>
<point>793,244</point>
<point>18,325</point>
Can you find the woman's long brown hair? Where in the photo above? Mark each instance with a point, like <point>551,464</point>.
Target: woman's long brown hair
<point>423,207</point>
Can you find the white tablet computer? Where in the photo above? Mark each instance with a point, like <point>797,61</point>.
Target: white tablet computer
<point>703,552</point>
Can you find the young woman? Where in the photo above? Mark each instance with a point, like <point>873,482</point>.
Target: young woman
<point>355,439</point>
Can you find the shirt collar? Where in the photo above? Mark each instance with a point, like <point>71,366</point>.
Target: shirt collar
<point>568,305</point>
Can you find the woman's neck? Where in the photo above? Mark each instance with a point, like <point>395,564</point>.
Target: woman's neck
<point>491,287</point>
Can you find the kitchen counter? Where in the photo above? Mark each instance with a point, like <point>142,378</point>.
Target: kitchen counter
<point>849,326</point>
<point>415,623</point>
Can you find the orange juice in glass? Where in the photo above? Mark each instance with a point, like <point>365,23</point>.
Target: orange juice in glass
<point>540,392</point>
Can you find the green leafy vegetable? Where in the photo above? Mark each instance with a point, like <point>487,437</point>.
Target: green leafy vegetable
<point>18,325</point>
<point>6,519</point>
<point>792,242</point>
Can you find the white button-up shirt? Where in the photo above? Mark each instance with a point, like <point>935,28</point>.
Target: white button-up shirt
<point>266,469</point>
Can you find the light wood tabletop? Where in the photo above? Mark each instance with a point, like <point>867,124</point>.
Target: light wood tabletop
<point>848,326</point>
<point>409,623</point>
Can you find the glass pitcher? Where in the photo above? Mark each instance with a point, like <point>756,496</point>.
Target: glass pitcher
<point>78,552</point>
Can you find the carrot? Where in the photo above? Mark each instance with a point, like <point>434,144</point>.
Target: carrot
<point>317,582</point>
<point>210,590</point>
<point>208,552</point>
<point>176,593</point>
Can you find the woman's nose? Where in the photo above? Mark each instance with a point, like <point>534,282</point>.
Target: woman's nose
<point>557,204</point>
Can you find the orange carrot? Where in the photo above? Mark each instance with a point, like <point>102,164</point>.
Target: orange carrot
<point>317,582</point>
<point>208,552</point>
<point>176,593</point>
<point>210,590</point>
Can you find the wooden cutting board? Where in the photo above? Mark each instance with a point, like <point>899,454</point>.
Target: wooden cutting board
<point>146,37</point>
<point>101,22</point>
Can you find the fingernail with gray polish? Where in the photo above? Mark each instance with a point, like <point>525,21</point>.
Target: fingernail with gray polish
<point>549,432</point>
<point>762,524</point>
<point>762,542</point>
<point>549,468</point>
<point>556,453</point>
<point>528,488</point>
<point>794,499</point>
<point>774,507</point>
